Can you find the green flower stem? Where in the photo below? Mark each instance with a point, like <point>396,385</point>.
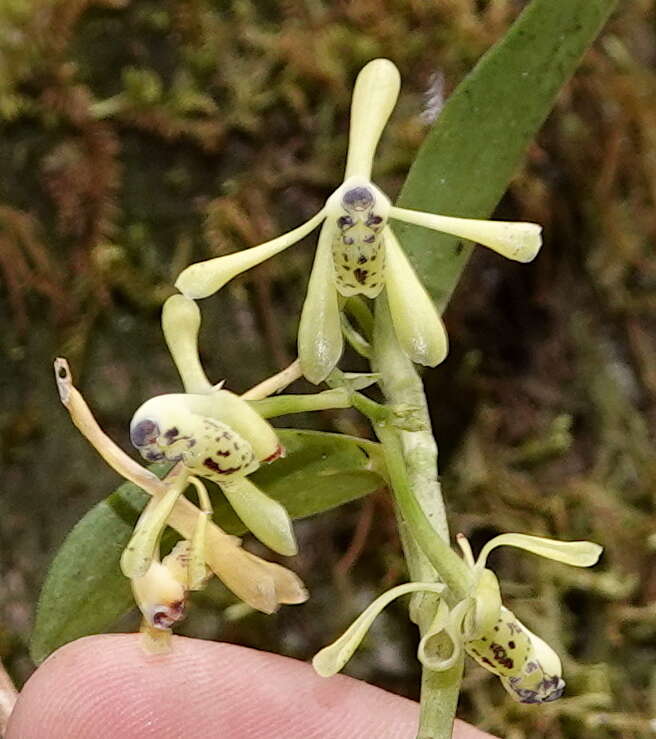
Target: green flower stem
<point>411,457</point>
<point>361,346</point>
<point>357,308</point>
<point>282,405</point>
<point>485,128</point>
<point>375,412</point>
<point>448,565</point>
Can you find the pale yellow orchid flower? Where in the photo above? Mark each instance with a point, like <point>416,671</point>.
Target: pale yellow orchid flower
<point>358,253</point>
<point>479,624</point>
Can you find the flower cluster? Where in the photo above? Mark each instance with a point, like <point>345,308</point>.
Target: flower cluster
<point>209,433</point>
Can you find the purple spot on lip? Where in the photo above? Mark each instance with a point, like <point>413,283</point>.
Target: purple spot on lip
<point>166,616</point>
<point>144,432</point>
<point>358,198</point>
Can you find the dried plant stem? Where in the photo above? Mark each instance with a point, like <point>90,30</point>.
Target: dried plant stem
<point>275,383</point>
<point>8,696</point>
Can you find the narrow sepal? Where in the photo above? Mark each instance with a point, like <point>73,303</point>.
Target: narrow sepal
<point>417,323</point>
<point>320,341</point>
<point>180,324</point>
<point>374,97</point>
<point>574,553</point>
<point>263,585</point>
<point>203,279</point>
<point>264,517</point>
<point>513,240</point>
<point>487,605</point>
<point>331,659</point>
<point>141,549</point>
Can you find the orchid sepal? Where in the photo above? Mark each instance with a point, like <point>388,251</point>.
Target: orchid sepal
<point>514,240</point>
<point>202,279</point>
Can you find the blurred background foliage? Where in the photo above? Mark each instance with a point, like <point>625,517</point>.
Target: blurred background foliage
<point>139,135</point>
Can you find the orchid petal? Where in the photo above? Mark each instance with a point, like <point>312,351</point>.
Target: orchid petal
<point>83,419</point>
<point>180,323</point>
<point>320,341</point>
<point>574,553</point>
<point>140,551</point>
<point>197,571</point>
<point>514,240</point>
<point>263,585</point>
<point>203,279</point>
<point>417,323</point>
<point>331,659</point>
<point>487,605</point>
<point>264,517</point>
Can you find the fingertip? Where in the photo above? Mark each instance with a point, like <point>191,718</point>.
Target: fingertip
<point>105,686</point>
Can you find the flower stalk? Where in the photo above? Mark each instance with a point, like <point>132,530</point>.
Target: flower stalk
<point>411,457</point>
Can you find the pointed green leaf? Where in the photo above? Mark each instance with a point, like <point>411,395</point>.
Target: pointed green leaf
<point>483,131</point>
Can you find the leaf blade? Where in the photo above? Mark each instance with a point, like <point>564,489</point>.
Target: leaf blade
<point>469,157</point>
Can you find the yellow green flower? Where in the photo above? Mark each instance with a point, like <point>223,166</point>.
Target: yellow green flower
<point>208,432</point>
<point>479,624</point>
<point>358,253</point>
<point>214,434</point>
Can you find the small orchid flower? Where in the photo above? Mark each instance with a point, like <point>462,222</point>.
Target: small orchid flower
<point>263,585</point>
<point>219,436</point>
<point>358,253</point>
<point>160,595</point>
<point>479,624</point>
<point>214,434</point>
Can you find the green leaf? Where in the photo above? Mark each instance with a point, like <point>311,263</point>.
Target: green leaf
<point>85,592</point>
<point>483,131</point>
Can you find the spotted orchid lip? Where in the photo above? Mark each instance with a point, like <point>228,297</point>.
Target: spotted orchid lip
<point>143,433</point>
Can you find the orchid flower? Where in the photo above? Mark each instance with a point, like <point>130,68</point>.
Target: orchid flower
<point>358,253</point>
<point>160,595</point>
<point>210,433</point>
<point>214,434</point>
<point>479,624</point>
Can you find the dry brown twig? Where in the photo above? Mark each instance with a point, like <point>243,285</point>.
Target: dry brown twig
<point>8,696</point>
